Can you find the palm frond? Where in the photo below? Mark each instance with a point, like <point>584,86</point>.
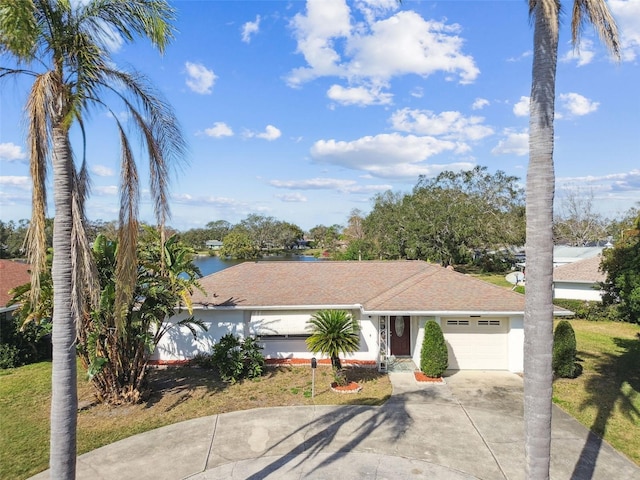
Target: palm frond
<point>149,18</point>
<point>18,29</point>
<point>127,265</point>
<point>85,285</point>
<point>597,13</point>
<point>39,142</point>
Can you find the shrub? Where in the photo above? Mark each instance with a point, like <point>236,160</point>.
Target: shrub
<point>21,345</point>
<point>564,351</point>
<point>589,310</point>
<point>237,359</point>
<point>434,357</point>
<point>9,356</point>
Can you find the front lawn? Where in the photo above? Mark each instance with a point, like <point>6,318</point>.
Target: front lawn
<point>180,393</point>
<point>606,397</point>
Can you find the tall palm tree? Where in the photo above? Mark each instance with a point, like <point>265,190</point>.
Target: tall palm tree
<point>334,332</point>
<point>538,317</point>
<point>64,47</point>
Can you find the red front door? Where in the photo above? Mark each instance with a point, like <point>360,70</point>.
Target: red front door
<point>400,332</point>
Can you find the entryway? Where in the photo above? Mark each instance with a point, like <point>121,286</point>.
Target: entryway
<point>400,333</point>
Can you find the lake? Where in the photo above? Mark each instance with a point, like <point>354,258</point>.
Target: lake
<point>209,265</point>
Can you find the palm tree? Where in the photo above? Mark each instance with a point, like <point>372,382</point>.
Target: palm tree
<point>538,317</point>
<point>334,332</point>
<point>64,47</point>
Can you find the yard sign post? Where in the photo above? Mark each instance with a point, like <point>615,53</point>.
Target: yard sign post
<point>314,364</point>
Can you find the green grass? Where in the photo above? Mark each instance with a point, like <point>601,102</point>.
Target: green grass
<point>178,394</point>
<point>606,397</point>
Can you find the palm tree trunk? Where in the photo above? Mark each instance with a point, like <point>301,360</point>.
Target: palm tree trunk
<point>64,401</point>
<point>538,316</point>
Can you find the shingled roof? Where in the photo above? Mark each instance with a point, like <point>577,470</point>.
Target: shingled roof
<point>583,271</point>
<point>377,286</point>
<point>12,274</point>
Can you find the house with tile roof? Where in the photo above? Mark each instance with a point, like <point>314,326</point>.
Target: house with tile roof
<point>12,274</point>
<point>392,301</point>
<point>579,280</point>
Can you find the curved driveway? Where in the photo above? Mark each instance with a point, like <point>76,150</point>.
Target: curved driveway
<point>469,428</point>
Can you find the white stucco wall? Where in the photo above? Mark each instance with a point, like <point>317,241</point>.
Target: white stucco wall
<point>515,342</point>
<point>179,344</point>
<point>576,291</point>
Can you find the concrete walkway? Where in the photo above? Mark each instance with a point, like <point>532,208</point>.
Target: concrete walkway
<point>469,428</point>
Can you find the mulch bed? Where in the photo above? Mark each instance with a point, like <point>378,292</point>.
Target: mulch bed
<point>351,387</point>
<point>422,378</point>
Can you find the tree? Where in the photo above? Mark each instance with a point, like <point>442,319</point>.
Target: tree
<point>578,224</point>
<point>117,361</point>
<point>622,266</point>
<point>333,332</point>
<point>238,244</point>
<point>447,219</point>
<point>326,237</point>
<point>385,226</point>
<point>67,46</point>
<point>538,315</point>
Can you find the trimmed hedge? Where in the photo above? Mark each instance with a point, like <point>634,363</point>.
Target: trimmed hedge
<point>564,351</point>
<point>434,356</point>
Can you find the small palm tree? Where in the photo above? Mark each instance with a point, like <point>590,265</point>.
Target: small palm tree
<point>334,332</point>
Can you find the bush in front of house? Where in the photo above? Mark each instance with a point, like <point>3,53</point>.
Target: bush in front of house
<point>434,357</point>
<point>564,351</point>
<point>237,359</point>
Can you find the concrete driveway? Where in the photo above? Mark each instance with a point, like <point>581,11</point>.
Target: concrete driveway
<point>469,428</point>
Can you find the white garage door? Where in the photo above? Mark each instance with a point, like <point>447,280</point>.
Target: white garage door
<point>476,343</point>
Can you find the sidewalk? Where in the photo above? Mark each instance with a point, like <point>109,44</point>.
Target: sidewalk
<point>469,428</point>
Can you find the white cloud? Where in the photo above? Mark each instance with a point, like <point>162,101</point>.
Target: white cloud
<point>627,14</point>
<point>12,152</point>
<point>270,133</point>
<point>374,51</point>
<point>521,109</point>
<point>340,185</point>
<point>448,125</point>
<point>480,103</point>
<point>577,104</point>
<point>582,54</point>
<point>199,78</point>
<point>102,171</point>
<point>360,96</point>
<point>249,29</point>
<point>513,143</point>
<point>386,155</point>
<point>16,181</point>
<point>219,130</point>
<point>292,197</point>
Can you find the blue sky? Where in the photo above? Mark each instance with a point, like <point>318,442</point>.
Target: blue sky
<point>305,110</point>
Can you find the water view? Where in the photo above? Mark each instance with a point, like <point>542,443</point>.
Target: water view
<point>209,265</point>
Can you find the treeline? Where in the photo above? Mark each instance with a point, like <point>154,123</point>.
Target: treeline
<point>454,218</point>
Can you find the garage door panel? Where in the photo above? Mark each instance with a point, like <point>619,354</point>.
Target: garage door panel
<point>476,344</point>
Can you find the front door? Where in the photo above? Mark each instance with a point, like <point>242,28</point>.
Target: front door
<point>400,333</point>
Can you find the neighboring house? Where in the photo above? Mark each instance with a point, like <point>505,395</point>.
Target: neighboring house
<point>213,244</point>
<point>482,323</point>
<point>579,280</point>
<point>12,274</point>
<point>563,254</point>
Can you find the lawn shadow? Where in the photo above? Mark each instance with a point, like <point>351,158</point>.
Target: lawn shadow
<point>181,382</point>
<point>606,390</point>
